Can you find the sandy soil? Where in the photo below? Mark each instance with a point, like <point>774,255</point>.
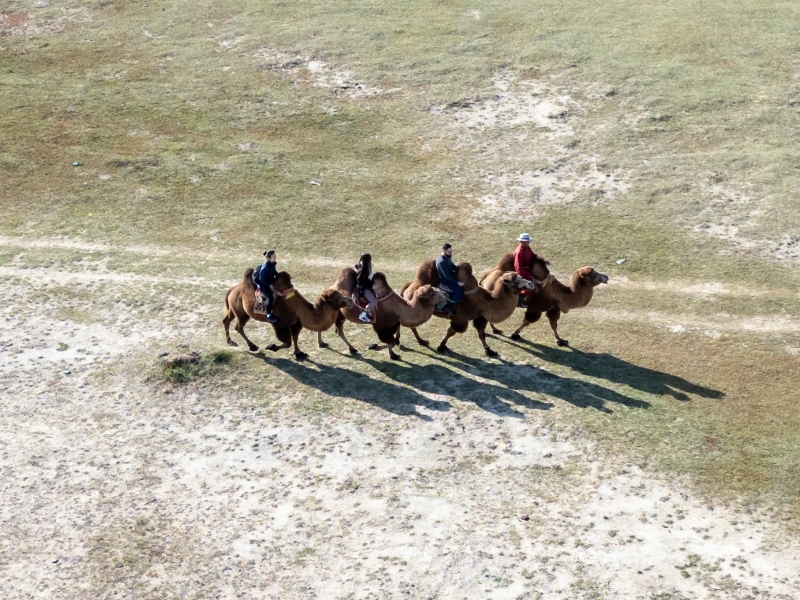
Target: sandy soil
<point>114,487</point>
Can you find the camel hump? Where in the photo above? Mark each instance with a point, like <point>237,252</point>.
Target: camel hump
<point>426,273</point>
<point>506,263</point>
<point>247,278</point>
<point>346,280</point>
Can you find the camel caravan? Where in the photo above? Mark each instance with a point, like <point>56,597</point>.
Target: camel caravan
<point>440,288</point>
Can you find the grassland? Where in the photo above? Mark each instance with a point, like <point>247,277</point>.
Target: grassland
<point>151,151</point>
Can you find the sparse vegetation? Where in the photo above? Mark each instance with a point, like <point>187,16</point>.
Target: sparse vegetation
<point>150,152</point>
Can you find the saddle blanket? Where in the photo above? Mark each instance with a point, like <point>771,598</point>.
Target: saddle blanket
<point>361,303</point>
<point>260,308</point>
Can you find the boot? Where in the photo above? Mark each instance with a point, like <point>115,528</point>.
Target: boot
<point>522,303</point>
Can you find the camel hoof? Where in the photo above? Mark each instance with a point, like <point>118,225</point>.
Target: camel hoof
<point>442,349</point>
<point>562,343</point>
<point>252,347</point>
<point>372,346</point>
<point>497,331</point>
<point>516,337</point>
<point>271,348</point>
<point>323,344</point>
<point>490,352</point>
<point>353,351</point>
<point>425,343</point>
<point>394,356</point>
<point>300,355</point>
<point>232,343</point>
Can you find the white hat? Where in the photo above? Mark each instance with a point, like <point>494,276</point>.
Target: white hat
<point>524,237</point>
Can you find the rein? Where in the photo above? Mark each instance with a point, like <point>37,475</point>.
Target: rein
<point>473,290</point>
<point>286,294</point>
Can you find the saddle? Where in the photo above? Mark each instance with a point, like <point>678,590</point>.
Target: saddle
<point>260,308</point>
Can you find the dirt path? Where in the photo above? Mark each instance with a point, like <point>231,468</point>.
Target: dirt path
<point>111,486</point>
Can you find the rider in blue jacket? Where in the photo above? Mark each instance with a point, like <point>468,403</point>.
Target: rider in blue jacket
<point>265,278</point>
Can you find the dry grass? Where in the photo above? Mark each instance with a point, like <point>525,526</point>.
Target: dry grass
<point>198,134</point>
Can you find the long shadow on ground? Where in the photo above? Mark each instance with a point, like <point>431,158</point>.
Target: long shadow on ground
<point>438,379</point>
<point>583,394</point>
<point>344,383</point>
<point>608,367</point>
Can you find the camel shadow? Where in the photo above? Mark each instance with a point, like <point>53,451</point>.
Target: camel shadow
<point>344,383</point>
<point>609,367</point>
<point>438,379</point>
<point>583,394</point>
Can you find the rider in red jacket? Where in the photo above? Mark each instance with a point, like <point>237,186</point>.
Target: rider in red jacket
<point>523,259</point>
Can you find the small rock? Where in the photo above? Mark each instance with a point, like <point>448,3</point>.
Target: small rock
<point>76,164</point>
<point>315,183</point>
<point>41,4</point>
<point>67,372</point>
<point>549,455</point>
<point>525,518</point>
<point>163,354</point>
<point>621,261</point>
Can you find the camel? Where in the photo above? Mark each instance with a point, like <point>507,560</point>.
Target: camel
<point>392,311</point>
<point>291,309</point>
<point>554,298</point>
<point>479,305</point>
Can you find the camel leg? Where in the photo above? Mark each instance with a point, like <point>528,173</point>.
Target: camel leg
<point>553,316</point>
<point>226,323</point>
<point>390,347</point>
<point>480,326</point>
<point>527,320</point>
<point>320,343</point>
<point>240,323</point>
<point>298,354</point>
<point>420,341</point>
<point>340,332</point>
<point>284,336</point>
<point>388,339</point>
<point>451,331</point>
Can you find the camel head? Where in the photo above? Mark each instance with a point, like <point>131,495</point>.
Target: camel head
<point>283,282</point>
<point>463,271</point>
<point>430,294</point>
<point>587,276</point>
<point>335,299</point>
<point>511,279</point>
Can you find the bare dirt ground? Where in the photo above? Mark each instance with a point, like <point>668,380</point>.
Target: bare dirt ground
<point>115,487</point>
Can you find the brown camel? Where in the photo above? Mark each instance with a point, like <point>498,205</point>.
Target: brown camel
<point>478,305</point>
<point>554,298</point>
<point>392,310</point>
<point>292,311</point>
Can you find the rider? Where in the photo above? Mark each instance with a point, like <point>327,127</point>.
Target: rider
<point>364,275</point>
<point>264,279</point>
<point>523,264</point>
<point>448,279</point>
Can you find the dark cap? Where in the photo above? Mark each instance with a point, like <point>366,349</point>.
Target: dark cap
<point>447,246</point>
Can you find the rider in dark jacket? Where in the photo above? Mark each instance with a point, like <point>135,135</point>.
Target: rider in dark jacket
<point>448,279</point>
<point>364,275</point>
<point>265,279</point>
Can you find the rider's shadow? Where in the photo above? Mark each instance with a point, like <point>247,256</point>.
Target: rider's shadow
<point>583,394</point>
<point>344,383</point>
<point>438,379</point>
<point>609,367</point>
